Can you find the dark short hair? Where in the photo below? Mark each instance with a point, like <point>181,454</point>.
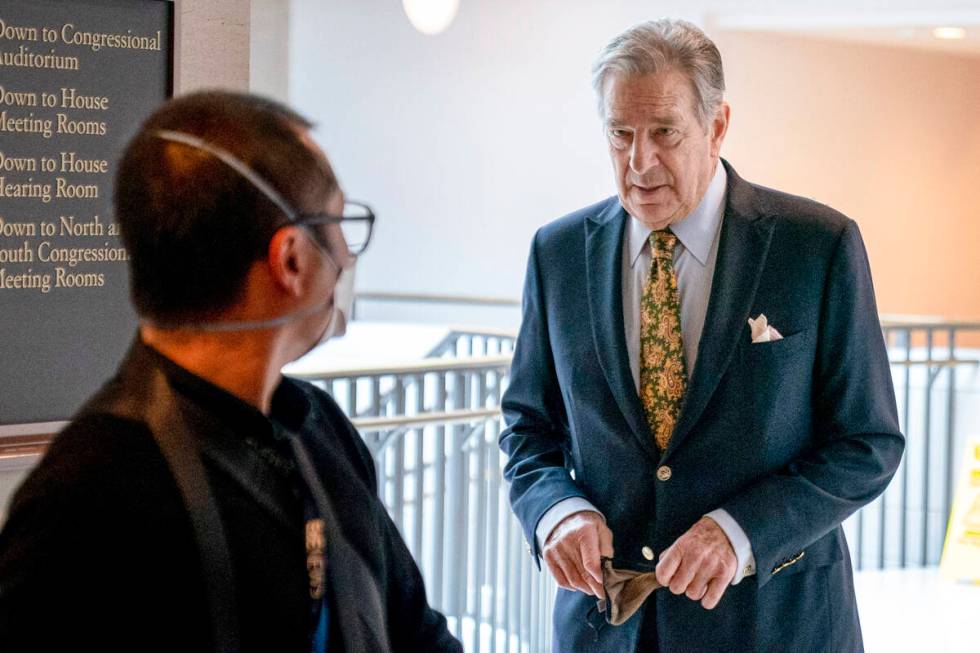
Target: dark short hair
<point>192,225</point>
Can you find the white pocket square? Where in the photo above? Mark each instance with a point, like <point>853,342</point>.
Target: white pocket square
<point>761,331</point>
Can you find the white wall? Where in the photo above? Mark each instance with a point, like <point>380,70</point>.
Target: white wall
<point>269,48</point>
<point>212,45</point>
<point>468,141</point>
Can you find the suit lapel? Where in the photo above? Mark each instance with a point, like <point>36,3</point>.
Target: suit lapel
<point>742,251</point>
<point>604,269</point>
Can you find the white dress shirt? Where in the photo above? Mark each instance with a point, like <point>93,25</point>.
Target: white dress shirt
<point>694,265</point>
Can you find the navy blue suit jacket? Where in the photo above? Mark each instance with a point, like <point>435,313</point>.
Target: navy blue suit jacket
<point>790,437</point>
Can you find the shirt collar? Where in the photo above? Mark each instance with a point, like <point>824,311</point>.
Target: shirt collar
<point>289,407</point>
<point>697,231</point>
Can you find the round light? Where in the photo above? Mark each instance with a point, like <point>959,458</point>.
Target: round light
<point>949,33</point>
<point>431,16</point>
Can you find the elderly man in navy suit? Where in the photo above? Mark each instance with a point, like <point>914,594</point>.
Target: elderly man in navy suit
<point>700,380</point>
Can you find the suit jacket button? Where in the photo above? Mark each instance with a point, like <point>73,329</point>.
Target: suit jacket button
<point>647,552</point>
<point>664,473</point>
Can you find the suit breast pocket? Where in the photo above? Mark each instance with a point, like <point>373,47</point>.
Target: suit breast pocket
<point>760,352</point>
<point>774,376</point>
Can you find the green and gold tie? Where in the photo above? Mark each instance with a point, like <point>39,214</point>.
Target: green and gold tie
<point>663,375</point>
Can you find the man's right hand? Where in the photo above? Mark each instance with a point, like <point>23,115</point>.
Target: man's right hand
<point>574,549</point>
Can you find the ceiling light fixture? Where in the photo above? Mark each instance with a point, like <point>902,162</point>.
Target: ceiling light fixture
<point>949,33</point>
<point>431,16</point>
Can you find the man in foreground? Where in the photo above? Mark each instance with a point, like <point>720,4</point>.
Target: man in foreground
<point>700,387</point>
<point>201,501</point>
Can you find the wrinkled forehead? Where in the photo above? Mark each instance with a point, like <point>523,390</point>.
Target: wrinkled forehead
<point>665,98</point>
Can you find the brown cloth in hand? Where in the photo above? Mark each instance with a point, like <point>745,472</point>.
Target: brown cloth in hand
<point>625,591</point>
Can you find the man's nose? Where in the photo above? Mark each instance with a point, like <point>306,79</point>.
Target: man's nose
<point>644,154</point>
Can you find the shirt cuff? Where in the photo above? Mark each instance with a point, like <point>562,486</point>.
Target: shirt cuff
<point>740,543</point>
<point>558,512</point>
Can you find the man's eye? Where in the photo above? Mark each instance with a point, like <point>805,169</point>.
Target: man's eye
<point>667,131</point>
<point>619,133</point>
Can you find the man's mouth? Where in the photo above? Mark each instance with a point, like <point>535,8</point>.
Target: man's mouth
<point>646,191</point>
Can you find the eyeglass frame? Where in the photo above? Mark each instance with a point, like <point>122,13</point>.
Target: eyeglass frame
<point>304,219</point>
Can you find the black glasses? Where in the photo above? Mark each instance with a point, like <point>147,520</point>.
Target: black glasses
<point>356,224</point>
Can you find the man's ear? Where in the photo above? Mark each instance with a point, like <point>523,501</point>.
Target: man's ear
<point>719,127</point>
<point>289,259</point>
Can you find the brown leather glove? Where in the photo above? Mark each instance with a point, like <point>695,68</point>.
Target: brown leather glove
<point>625,591</point>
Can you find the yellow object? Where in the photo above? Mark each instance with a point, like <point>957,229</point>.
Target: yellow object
<point>961,553</point>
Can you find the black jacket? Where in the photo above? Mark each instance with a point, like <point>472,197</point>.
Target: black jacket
<point>98,552</point>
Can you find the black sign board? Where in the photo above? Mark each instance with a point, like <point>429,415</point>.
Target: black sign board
<point>77,77</point>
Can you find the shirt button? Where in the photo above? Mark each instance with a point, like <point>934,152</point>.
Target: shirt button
<point>664,473</point>
<point>647,552</point>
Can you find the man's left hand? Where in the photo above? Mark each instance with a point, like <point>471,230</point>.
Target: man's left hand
<point>700,564</point>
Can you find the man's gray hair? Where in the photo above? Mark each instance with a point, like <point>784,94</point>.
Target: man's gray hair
<point>658,45</point>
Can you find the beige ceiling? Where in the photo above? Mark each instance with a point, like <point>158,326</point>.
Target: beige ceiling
<point>908,28</point>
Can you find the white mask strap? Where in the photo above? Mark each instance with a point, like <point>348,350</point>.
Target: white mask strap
<point>232,162</point>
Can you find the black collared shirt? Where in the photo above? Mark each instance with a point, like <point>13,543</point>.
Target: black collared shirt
<point>99,544</point>
<point>255,453</point>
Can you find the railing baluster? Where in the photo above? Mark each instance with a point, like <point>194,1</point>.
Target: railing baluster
<point>510,555</point>
<point>456,579</point>
<point>534,622</point>
<point>352,398</point>
<point>439,502</point>
<point>398,456</point>
<point>464,499</point>
<point>375,410</point>
<point>905,459</point>
<point>419,471</point>
<point>950,429</point>
<point>480,505</point>
<point>493,519</point>
<point>884,519</point>
<point>927,440</point>
<point>524,591</point>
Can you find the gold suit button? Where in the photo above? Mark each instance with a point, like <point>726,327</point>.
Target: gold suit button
<point>647,552</point>
<point>664,473</point>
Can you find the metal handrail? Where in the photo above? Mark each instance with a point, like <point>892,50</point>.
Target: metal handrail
<point>369,424</point>
<point>23,448</point>
<point>896,321</point>
<point>423,366</point>
<point>427,298</point>
<point>934,362</point>
<point>888,320</point>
